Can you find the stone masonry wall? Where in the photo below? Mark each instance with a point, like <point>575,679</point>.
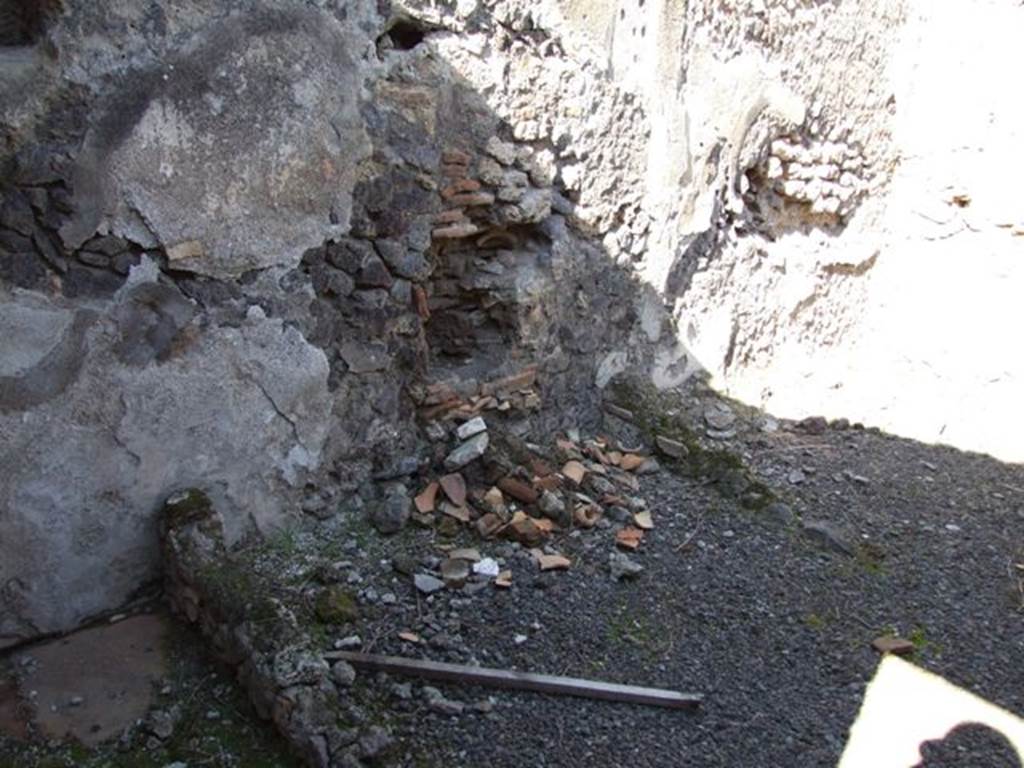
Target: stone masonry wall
<point>258,250</point>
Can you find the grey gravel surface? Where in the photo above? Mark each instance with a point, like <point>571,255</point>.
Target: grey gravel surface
<point>772,625</point>
<point>770,614</point>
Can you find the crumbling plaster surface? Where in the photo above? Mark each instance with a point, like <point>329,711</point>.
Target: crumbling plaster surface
<point>180,142</point>
<point>229,137</point>
<point>237,409</point>
<point>829,189</point>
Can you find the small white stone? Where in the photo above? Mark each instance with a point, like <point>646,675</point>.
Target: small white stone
<point>793,188</point>
<point>828,171</point>
<point>487,567</point>
<point>783,150</point>
<point>472,427</point>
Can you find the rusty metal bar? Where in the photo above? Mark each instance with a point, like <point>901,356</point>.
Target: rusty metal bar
<point>521,681</point>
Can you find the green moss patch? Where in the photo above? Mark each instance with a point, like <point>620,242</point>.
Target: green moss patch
<point>654,414</point>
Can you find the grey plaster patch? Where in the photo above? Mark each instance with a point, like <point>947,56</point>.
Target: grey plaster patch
<point>28,334</point>
<point>42,350</point>
<point>236,151</point>
<point>238,411</point>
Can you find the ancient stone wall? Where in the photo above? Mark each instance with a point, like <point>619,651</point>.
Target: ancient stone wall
<point>828,185</point>
<point>259,248</point>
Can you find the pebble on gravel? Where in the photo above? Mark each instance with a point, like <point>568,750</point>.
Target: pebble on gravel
<point>455,572</point>
<point>623,567</point>
<point>632,461</point>
<point>671,448</point>
<point>343,674</point>
<point>427,584</point>
<point>487,567</point>
<point>441,705</point>
<point>828,535</point>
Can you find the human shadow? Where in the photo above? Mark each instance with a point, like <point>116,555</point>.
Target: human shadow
<point>970,745</point>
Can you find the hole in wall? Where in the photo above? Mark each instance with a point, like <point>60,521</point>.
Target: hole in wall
<point>402,35</point>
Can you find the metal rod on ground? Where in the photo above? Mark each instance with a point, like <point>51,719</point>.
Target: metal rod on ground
<point>522,681</point>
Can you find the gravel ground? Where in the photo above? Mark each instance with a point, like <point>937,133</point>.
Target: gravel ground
<point>774,627</point>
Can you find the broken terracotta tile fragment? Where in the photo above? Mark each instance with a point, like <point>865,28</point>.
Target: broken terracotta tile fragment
<point>494,499</point>
<point>518,490</point>
<point>629,537</point>
<point>459,513</point>
<point>631,461</point>
<point>426,499</point>
<point>643,520</point>
<point>567,447</point>
<point>554,562</point>
<point>539,467</point>
<point>549,483</point>
<point>465,553</point>
<point>489,524</point>
<point>509,384</point>
<point>574,471</point>
<point>524,530</point>
<point>897,646</point>
<point>456,157</point>
<point>544,525</point>
<point>587,515</point>
<point>454,486</point>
